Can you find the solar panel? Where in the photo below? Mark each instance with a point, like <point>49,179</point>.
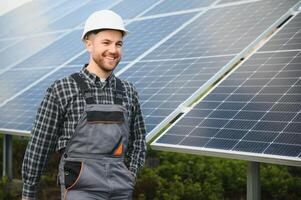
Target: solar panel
<point>255,112</point>
<point>42,23</point>
<point>20,112</point>
<point>222,31</point>
<point>13,81</point>
<point>287,39</point>
<point>15,21</point>
<point>24,11</point>
<point>24,48</point>
<point>178,5</point>
<point>78,16</point>
<point>5,43</point>
<point>164,85</point>
<point>187,47</point>
<point>131,8</point>
<point>230,1</point>
<point>80,60</point>
<point>146,33</point>
<point>56,53</point>
<point>62,9</point>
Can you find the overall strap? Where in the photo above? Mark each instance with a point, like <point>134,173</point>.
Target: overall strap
<point>83,88</point>
<point>119,92</point>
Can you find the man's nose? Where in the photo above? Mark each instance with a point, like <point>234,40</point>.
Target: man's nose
<point>112,48</point>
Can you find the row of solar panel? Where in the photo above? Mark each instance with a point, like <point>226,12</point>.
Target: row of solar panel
<point>46,15</point>
<point>17,48</point>
<point>164,77</point>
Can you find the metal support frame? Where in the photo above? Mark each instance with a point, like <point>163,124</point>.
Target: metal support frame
<point>253,181</point>
<point>8,156</point>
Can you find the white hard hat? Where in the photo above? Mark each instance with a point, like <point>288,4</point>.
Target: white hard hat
<point>104,19</point>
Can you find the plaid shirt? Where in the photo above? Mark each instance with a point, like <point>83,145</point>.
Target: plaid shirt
<point>58,116</point>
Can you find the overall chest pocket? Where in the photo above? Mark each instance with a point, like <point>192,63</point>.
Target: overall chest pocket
<point>105,117</point>
<point>105,132</point>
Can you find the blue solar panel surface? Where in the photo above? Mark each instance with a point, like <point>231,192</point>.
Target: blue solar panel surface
<point>23,12</point>
<point>187,44</point>
<point>79,15</point>
<point>4,44</point>
<point>24,48</point>
<point>44,22</point>
<point>132,8</point>
<point>56,53</point>
<point>287,39</point>
<point>62,9</point>
<point>13,81</point>
<point>222,31</point>
<point>256,109</point>
<point>163,85</point>
<point>20,112</point>
<point>168,6</point>
<point>19,21</point>
<point>146,33</point>
<point>230,1</point>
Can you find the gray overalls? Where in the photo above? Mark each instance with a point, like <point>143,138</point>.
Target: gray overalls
<point>92,166</point>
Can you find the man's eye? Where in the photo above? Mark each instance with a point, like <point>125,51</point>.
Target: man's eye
<point>119,44</point>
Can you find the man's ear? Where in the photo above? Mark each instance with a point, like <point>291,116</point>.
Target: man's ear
<point>89,45</point>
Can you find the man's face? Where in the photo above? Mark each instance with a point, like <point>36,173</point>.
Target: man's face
<point>105,49</point>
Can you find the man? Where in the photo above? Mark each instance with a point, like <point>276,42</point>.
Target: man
<point>94,120</point>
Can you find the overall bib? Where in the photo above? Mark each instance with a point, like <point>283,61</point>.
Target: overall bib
<point>92,165</point>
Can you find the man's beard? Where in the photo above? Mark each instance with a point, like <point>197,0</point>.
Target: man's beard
<point>101,64</point>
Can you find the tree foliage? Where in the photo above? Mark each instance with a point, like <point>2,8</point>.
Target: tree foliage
<point>176,176</point>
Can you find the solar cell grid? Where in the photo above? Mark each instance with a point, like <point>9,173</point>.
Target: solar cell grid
<point>255,109</point>
<point>169,82</point>
<point>230,1</point>
<point>186,84</point>
<point>79,15</point>
<point>4,44</point>
<point>43,23</point>
<point>131,8</point>
<point>20,112</point>
<point>178,5</point>
<point>222,31</point>
<point>64,8</point>
<point>288,38</point>
<point>146,33</point>
<point>14,80</point>
<point>80,59</point>
<point>25,14</point>
<point>56,53</point>
<point>24,48</point>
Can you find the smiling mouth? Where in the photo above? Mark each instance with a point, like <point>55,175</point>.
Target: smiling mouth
<point>111,57</point>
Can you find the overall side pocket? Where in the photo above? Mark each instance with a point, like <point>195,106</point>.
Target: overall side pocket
<point>129,174</point>
<point>72,173</point>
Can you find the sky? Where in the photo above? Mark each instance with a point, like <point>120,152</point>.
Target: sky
<point>7,5</point>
